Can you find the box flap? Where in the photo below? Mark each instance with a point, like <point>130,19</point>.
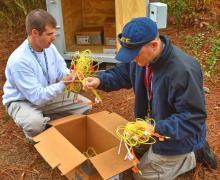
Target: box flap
<point>109,121</point>
<point>58,151</point>
<point>65,119</point>
<point>109,163</point>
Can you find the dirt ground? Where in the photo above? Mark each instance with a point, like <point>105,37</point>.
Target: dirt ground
<point>20,160</point>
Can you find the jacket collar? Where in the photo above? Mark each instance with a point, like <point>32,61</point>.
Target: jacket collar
<point>156,65</point>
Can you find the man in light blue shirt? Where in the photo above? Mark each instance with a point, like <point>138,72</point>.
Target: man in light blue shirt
<point>33,91</point>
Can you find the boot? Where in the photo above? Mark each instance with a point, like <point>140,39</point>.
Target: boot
<point>206,156</point>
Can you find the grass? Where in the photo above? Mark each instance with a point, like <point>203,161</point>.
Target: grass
<point>205,50</point>
<point>9,9</point>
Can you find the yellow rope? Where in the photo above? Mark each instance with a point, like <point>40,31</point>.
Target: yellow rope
<point>81,67</point>
<point>90,152</point>
<point>135,133</point>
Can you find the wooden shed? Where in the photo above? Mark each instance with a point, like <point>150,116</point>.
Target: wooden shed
<point>92,24</point>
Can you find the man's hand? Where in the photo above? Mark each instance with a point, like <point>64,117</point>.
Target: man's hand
<point>149,128</point>
<point>68,79</point>
<point>91,83</point>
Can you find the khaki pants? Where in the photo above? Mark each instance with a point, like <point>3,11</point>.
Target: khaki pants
<point>159,167</point>
<point>33,119</point>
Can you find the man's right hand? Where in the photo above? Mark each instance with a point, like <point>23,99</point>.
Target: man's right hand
<point>91,83</point>
<point>68,79</point>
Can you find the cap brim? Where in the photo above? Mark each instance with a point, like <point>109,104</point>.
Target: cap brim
<point>126,55</point>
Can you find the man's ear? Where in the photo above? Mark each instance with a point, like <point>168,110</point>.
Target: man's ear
<point>35,32</point>
<point>154,44</point>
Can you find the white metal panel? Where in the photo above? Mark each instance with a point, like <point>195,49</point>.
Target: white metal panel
<point>153,13</point>
<point>158,13</point>
<point>100,57</point>
<point>54,8</point>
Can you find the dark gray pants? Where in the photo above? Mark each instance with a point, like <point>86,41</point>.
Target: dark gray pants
<point>159,167</point>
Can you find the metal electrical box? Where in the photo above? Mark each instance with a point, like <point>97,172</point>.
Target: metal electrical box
<point>158,13</point>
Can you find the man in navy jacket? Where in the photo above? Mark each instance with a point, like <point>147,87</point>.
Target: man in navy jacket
<point>168,86</point>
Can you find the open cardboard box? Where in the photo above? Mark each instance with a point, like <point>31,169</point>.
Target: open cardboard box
<point>63,144</point>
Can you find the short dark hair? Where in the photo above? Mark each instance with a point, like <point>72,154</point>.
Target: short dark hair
<point>39,19</point>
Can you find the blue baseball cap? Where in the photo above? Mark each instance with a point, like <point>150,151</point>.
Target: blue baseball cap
<point>135,34</point>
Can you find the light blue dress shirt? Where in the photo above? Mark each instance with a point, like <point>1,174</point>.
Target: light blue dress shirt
<point>26,80</point>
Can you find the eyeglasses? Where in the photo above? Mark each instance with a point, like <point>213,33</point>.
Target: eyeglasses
<point>131,45</point>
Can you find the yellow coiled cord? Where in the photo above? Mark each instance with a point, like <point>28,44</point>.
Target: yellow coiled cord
<point>82,66</point>
<point>136,133</point>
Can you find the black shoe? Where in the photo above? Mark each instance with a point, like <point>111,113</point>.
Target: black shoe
<point>206,156</point>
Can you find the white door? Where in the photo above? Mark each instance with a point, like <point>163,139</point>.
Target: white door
<point>54,8</point>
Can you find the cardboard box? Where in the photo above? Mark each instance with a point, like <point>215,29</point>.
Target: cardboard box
<point>63,144</point>
<point>79,174</point>
<point>89,36</point>
<point>110,41</point>
<point>110,32</point>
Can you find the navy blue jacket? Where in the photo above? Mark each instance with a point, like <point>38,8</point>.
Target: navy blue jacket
<point>178,104</point>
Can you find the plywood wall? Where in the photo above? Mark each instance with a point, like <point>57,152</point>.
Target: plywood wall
<point>126,10</point>
<point>90,13</point>
<point>96,11</point>
<point>72,20</point>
